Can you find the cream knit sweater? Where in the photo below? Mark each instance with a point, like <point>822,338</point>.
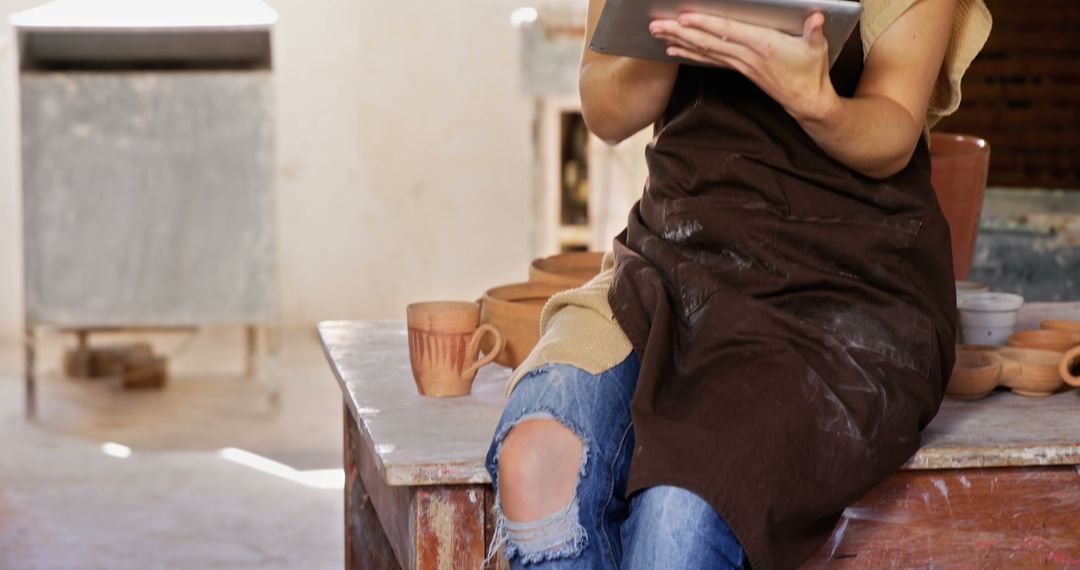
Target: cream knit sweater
<point>578,327</point>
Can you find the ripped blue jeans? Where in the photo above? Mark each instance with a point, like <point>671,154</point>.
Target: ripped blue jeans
<point>659,527</point>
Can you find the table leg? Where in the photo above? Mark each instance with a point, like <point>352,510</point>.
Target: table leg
<point>449,526</point>
<point>416,528</point>
<point>366,543</point>
<point>28,372</point>
<point>251,335</point>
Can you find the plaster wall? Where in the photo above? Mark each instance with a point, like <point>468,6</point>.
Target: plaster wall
<point>403,146</point>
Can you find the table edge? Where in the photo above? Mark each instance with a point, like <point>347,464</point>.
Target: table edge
<point>925,459</point>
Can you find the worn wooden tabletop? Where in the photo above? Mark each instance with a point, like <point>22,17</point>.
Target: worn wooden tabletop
<point>421,441</point>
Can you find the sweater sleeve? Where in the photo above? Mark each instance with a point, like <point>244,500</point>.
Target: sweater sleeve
<point>971,28</point>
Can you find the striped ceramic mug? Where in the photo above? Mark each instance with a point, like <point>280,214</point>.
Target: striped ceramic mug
<point>444,343</point>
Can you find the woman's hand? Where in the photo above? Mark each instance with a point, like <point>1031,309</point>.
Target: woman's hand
<point>793,70</point>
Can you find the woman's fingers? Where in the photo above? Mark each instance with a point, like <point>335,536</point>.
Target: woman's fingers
<point>813,29</point>
<point>756,38</point>
<point>699,40</point>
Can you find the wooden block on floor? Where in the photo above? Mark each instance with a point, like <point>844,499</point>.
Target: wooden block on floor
<point>103,361</point>
<point>145,372</point>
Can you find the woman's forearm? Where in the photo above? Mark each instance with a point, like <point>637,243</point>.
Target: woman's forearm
<point>871,134</point>
<point>620,95</point>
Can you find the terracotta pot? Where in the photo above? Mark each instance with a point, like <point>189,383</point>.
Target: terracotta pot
<point>959,166</point>
<point>1070,367</point>
<point>1025,371</point>
<point>515,310</point>
<point>572,269</point>
<point>1058,341</point>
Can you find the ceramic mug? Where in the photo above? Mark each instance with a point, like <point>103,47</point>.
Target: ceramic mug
<point>444,342</point>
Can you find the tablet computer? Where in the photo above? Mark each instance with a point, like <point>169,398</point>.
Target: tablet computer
<point>623,28</point>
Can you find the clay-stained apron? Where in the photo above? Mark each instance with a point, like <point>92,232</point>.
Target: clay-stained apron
<point>794,319</point>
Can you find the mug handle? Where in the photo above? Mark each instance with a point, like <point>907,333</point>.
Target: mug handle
<point>474,348</point>
<point>1070,362</point>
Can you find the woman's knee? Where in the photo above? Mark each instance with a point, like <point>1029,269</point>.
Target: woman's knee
<point>539,464</point>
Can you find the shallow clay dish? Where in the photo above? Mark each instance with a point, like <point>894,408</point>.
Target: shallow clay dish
<point>515,310</point>
<point>1058,341</point>
<point>571,269</point>
<point>975,375</point>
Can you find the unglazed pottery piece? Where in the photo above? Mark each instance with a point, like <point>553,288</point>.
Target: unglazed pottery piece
<point>1068,326</point>
<point>444,342</point>
<point>572,269</point>
<point>988,318</point>
<point>1058,341</point>
<point>975,374</point>
<point>1035,372</point>
<point>1070,367</point>
<point>1025,371</point>
<point>515,310</point>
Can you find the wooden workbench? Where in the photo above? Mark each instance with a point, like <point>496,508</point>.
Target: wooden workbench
<point>996,483</point>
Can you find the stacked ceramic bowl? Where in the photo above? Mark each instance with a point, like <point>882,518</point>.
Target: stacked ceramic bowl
<point>515,309</point>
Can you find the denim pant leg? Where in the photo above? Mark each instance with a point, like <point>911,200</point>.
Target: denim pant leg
<point>670,527</point>
<point>584,533</point>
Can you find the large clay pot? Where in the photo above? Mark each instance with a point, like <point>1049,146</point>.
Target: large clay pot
<point>515,310</point>
<point>959,167</point>
<point>572,269</point>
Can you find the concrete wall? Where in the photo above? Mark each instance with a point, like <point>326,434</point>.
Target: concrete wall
<point>404,156</point>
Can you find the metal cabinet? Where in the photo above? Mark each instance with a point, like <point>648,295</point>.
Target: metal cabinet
<point>148,165</point>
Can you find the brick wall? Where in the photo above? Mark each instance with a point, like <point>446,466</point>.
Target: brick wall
<point>1022,94</point>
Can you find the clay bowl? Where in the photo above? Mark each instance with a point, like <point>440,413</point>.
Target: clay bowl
<point>1058,341</point>
<point>1026,371</point>
<point>1035,373</point>
<point>1070,367</point>
<point>1065,326</point>
<point>975,375</point>
<point>515,310</point>
<point>572,269</point>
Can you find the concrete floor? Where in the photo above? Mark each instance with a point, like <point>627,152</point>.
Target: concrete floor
<point>177,501</point>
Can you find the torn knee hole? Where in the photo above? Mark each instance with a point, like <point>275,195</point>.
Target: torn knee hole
<point>539,464</point>
<point>558,535</point>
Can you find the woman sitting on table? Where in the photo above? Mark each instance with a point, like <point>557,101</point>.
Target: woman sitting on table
<point>775,325</point>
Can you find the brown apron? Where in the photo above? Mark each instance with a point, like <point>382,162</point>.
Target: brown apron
<point>794,319</point>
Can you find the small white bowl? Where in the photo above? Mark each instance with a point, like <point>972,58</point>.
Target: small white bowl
<point>988,318</point>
